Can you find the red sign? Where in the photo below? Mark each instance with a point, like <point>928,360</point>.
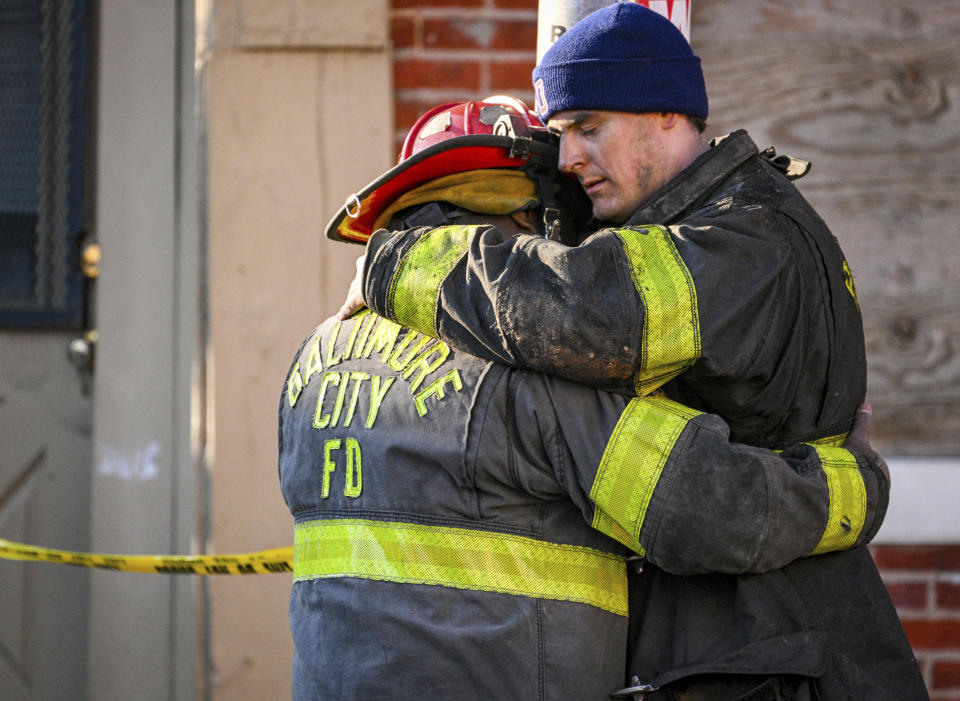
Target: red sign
<point>677,11</point>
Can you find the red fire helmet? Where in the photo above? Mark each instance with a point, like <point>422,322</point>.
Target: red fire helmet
<point>497,132</point>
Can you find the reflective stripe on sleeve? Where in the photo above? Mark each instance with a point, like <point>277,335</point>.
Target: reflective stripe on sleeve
<point>848,499</point>
<point>631,466</point>
<point>415,288</point>
<point>834,441</point>
<point>671,326</point>
<point>459,558</point>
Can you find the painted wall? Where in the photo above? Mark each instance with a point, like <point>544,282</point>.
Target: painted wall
<point>299,112</point>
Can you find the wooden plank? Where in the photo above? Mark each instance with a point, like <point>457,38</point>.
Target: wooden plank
<point>868,91</point>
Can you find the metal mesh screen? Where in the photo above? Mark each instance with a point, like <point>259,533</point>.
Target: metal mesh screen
<point>42,134</point>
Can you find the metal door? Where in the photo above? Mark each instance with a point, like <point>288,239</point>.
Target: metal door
<point>45,456</point>
<point>45,412</point>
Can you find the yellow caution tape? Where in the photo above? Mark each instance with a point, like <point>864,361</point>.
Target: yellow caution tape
<point>263,562</point>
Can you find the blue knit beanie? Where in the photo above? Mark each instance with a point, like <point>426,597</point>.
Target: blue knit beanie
<point>623,58</point>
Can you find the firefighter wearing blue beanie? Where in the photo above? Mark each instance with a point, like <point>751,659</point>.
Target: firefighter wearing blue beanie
<point>623,58</point>
<point>707,272</point>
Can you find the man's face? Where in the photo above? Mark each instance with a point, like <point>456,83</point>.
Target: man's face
<point>619,158</point>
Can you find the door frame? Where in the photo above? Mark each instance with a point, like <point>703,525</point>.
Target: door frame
<point>149,380</point>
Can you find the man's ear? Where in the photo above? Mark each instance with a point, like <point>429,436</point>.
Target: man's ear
<point>524,219</point>
<point>668,120</point>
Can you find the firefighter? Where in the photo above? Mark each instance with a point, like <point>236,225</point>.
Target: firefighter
<point>450,513</point>
<point>713,281</point>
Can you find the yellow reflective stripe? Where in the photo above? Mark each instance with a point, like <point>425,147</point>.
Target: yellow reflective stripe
<point>415,287</point>
<point>460,558</point>
<point>833,441</point>
<point>671,327</point>
<point>848,499</point>
<point>631,465</point>
<point>848,281</point>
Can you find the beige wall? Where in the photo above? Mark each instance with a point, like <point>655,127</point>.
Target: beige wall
<point>298,116</point>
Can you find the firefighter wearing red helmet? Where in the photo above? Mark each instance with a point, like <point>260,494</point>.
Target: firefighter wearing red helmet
<point>450,512</point>
<point>492,156</point>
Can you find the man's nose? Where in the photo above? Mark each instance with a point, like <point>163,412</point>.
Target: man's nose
<point>571,155</point>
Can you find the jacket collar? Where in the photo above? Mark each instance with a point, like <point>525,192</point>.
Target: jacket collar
<point>726,154</point>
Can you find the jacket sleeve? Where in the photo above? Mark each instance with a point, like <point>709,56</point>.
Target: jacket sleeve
<point>534,303</point>
<point>670,485</point>
<point>620,311</point>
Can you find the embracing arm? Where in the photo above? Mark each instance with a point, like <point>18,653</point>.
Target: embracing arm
<point>586,312</point>
<point>670,485</point>
<point>624,310</point>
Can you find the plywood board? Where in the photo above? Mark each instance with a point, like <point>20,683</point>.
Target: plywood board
<point>869,91</point>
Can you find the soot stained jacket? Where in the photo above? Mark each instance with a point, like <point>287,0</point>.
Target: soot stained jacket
<point>443,508</point>
<point>726,291</point>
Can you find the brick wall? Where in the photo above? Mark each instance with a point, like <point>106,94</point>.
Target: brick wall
<point>450,50</point>
<point>924,582</point>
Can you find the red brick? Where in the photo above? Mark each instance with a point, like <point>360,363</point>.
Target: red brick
<point>401,4</point>
<point>917,557</point>
<point>946,674</point>
<point>406,113</point>
<point>908,595</point>
<point>467,33</point>
<point>417,73</point>
<point>925,633</point>
<point>948,596</point>
<point>506,76</point>
<point>518,4</point>
<point>525,36</point>
<point>402,31</point>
